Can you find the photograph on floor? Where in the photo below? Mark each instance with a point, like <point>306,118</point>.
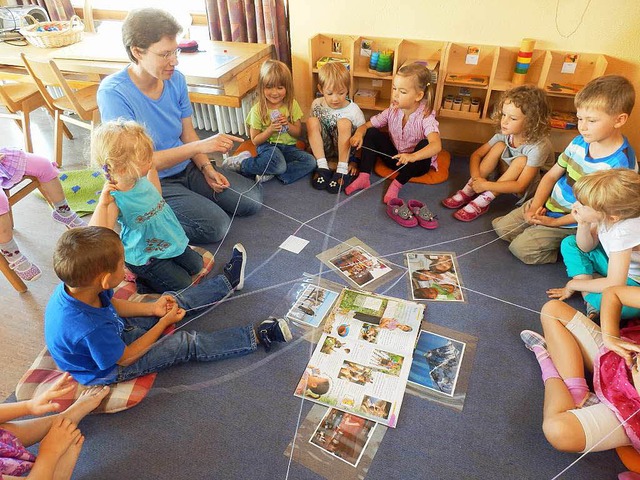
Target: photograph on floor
<point>343,435</point>
<point>434,276</point>
<point>441,367</point>
<point>312,305</point>
<point>323,461</point>
<point>359,265</point>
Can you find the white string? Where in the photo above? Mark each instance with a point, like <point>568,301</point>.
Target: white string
<point>579,22</point>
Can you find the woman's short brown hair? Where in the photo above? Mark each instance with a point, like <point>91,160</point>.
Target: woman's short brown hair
<point>145,26</point>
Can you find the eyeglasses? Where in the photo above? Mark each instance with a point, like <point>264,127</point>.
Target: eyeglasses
<point>168,55</point>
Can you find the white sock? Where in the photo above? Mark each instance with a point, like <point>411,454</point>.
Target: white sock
<point>484,199</point>
<point>322,163</point>
<point>62,208</point>
<point>468,189</point>
<point>343,168</point>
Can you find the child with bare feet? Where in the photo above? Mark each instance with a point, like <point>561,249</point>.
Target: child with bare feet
<point>59,437</point>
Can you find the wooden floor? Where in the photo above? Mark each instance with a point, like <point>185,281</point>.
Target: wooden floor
<point>21,328</point>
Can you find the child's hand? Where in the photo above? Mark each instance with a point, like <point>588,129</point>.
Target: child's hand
<point>163,305</point>
<point>560,293</point>
<point>625,349</point>
<point>105,196</point>
<point>404,158</point>
<point>353,169</point>
<point>480,184</point>
<point>174,315</point>
<point>356,139</point>
<point>43,403</point>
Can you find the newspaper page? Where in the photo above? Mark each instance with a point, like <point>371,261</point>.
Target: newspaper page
<point>362,361</point>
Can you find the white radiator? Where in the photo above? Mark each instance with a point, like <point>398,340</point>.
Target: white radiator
<point>211,118</point>
<point>223,119</point>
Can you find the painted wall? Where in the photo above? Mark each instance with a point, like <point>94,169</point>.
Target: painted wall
<point>609,27</point>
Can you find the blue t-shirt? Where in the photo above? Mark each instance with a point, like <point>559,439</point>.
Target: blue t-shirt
<point>118,97</point>
<point>84,340</point>
<point>577,162</point>
<point>150,229</point>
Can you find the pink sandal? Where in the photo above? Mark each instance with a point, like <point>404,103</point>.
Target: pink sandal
<point>465,216</point>
<point>450,202</point>
<point>400,213</point>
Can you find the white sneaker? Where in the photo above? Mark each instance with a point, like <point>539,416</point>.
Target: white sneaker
<point>263,178</point>
<point>234,162</point>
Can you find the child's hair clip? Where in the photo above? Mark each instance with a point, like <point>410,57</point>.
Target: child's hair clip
<point>107,175</point>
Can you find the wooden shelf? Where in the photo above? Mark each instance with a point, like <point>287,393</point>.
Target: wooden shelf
<point>458,114</point>
<point>494,62</point>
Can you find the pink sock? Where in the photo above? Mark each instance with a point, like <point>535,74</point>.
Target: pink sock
<point>546,364</point>
<point>392,191</point>
<point>360,183</point>
<point>578,388</point>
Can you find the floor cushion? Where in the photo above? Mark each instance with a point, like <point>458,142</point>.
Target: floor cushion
<point>431,177</point>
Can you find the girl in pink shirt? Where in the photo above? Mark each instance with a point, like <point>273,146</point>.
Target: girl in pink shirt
<point>413,142</point>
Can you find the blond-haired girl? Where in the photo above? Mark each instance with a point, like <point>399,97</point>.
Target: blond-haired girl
<point>155,245</point>
<point>605,251</point>
<point>274,123</point>
<point>518,151</point>
<point>413,142</point>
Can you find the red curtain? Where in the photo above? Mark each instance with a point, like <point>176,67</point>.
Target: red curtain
<point>254,21</point>
<point>57,9</point>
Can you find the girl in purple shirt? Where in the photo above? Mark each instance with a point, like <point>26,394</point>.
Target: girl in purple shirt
<point>413,142</point>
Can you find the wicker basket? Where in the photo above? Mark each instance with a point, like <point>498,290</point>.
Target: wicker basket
<point>40,34</point>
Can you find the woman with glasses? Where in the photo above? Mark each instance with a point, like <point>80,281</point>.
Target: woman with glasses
<point>154,93</point>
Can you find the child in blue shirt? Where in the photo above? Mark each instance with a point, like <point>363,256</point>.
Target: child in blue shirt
<point>535,230</point>
<point>100,340</point>
<point>156,247</point>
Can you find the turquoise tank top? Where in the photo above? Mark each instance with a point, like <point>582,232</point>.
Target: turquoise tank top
<point>150,229</point>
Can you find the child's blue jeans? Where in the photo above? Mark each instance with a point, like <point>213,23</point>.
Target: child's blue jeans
<point>588,263</point>
<point>287,162</point>
<point>185,346</point>
<point>162,274</point>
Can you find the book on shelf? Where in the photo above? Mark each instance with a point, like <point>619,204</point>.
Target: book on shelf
<point>323,60</point>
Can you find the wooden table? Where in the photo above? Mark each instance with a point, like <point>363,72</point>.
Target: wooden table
<point>220,74</point>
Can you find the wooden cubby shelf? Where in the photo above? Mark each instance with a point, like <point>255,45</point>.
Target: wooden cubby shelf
<point>483,72</point>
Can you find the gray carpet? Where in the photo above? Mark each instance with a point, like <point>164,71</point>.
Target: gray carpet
<point>234,419</point>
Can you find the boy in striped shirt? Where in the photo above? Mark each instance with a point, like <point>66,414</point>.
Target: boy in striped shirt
<point>535,230</point>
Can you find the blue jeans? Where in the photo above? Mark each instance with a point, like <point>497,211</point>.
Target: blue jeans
<point>588,263</point>
<point>183,346</point>
<point>203,213</point>
<point>287,162</point>
<point>162,274</point>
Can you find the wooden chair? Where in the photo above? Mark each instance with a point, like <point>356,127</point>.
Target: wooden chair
<point>20,96</point>
<point>82,102</point>
<point>17,193</point>
<point>87,16</point>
